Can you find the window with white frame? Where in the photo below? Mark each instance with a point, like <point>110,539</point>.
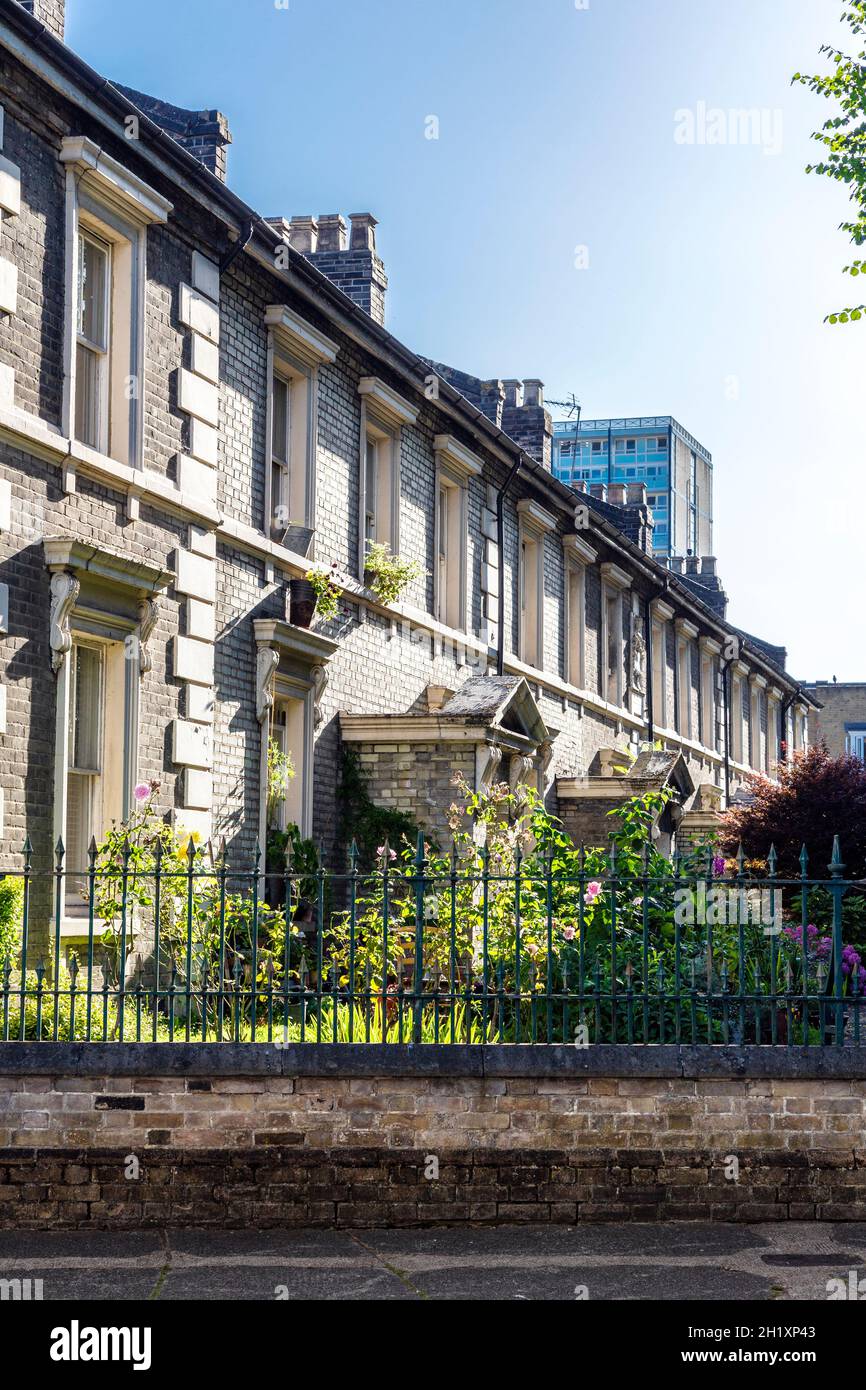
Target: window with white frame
<point>380,483</point>
<point>455,467</point>
<point>288,699</point>
<point>577,556</point>
<point>531,587</point>
<point>736,716</point>
<point>384,416</point>
<point>855,741</point>
<point>108,345</point>
<point>615,582</point>
<point>533,525</point>
<point>296,351</point>
<point>108,212</point>
<point>92,364</point>
<point>576,612</point>
<point>612,653</point>
<point>756,689</point>
<point>772,749</point>
<point>709,654</point>
<point>659,673</point>
<point>291,495</point>
<point>281,452</point>
<point>100,745</point>
<point>686,633</point>
<point>451,554</point>
<point>288,733</point>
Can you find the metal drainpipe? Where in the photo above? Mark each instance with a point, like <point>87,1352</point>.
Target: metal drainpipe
<point>727,704</point>
<point>783,729</point>
<point>650,699</point>
<point>500,541</point>
<point>236,249</point>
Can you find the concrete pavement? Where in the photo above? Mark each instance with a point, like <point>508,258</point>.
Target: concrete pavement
<point>599,1262</point>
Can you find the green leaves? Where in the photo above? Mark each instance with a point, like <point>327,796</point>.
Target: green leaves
<point>844,135</point>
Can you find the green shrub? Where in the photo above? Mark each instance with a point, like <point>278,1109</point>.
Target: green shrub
<point>11,919</point>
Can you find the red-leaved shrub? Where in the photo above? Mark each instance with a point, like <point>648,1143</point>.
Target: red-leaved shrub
<point>815,798</point>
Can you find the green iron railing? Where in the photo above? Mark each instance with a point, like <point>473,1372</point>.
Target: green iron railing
<point>417,951</point>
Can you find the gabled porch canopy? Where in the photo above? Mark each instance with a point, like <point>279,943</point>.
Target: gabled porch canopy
<point>496,713</point>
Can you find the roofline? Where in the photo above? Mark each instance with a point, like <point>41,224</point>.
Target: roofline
<point>309,281</point>
<point>637,424</point>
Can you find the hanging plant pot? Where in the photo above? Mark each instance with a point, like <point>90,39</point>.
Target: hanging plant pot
<point>302,602</point>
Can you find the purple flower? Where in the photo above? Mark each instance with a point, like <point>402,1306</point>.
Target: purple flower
<point>718,866</point>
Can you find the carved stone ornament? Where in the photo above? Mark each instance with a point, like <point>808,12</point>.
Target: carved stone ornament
<point>147,615</point>
<point>637,657</point>
<point>65,589</point>
<point>319,677</point>
<point>519,770</point>
<point>494,758</point>
<point>267,661</point>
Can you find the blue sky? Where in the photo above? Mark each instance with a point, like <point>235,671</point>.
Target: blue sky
<point>710,266</point>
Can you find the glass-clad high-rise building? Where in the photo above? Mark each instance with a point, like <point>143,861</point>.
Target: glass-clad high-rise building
<point>655,450</point>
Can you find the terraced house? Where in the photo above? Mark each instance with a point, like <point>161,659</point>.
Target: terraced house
<point>198,405</point>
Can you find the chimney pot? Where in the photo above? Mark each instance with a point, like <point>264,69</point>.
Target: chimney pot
<point>676,564</point>
<point>693,564</point>
<point>598,490</point>
<point>364,226</point>
<point>513,392</point>
<point>332,232</point>
<point>533,391</point>
<point>636,494</point>
<point>304,235</point>
<point>708,566</point>
<point>616,494</point>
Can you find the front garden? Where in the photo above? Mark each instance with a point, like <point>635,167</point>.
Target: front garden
<point>514,935</point>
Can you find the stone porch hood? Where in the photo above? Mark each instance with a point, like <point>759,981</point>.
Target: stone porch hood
<point>496,713</point>
<point>584,802</point>
<point>650,772</point>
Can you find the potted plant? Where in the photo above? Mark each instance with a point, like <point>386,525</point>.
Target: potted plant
<point>327,590</point>
<point>387,574</point>
<point>318,592</point>
<point>302,602</point>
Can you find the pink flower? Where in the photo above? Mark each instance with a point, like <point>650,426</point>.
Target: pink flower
<point>381,850</point>
<point>592,891</point>
<point>569,933</point>
<point>142,791</point>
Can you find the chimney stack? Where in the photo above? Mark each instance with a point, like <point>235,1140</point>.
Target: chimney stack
<point>525,419</point>
<point>493,401</point>
<point>350,261</point>
<point>51,13</point>
<point>205,134</point>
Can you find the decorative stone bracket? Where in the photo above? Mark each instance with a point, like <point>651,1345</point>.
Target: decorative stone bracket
<point>65,589</point>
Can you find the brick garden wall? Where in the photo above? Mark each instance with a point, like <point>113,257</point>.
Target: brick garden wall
<point>344,1136</point>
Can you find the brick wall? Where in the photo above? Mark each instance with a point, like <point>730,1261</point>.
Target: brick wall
<point>512,1136</point>
<point>842,704</point>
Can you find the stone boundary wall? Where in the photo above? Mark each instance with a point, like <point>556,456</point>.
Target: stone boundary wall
<point>108,1135</point>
